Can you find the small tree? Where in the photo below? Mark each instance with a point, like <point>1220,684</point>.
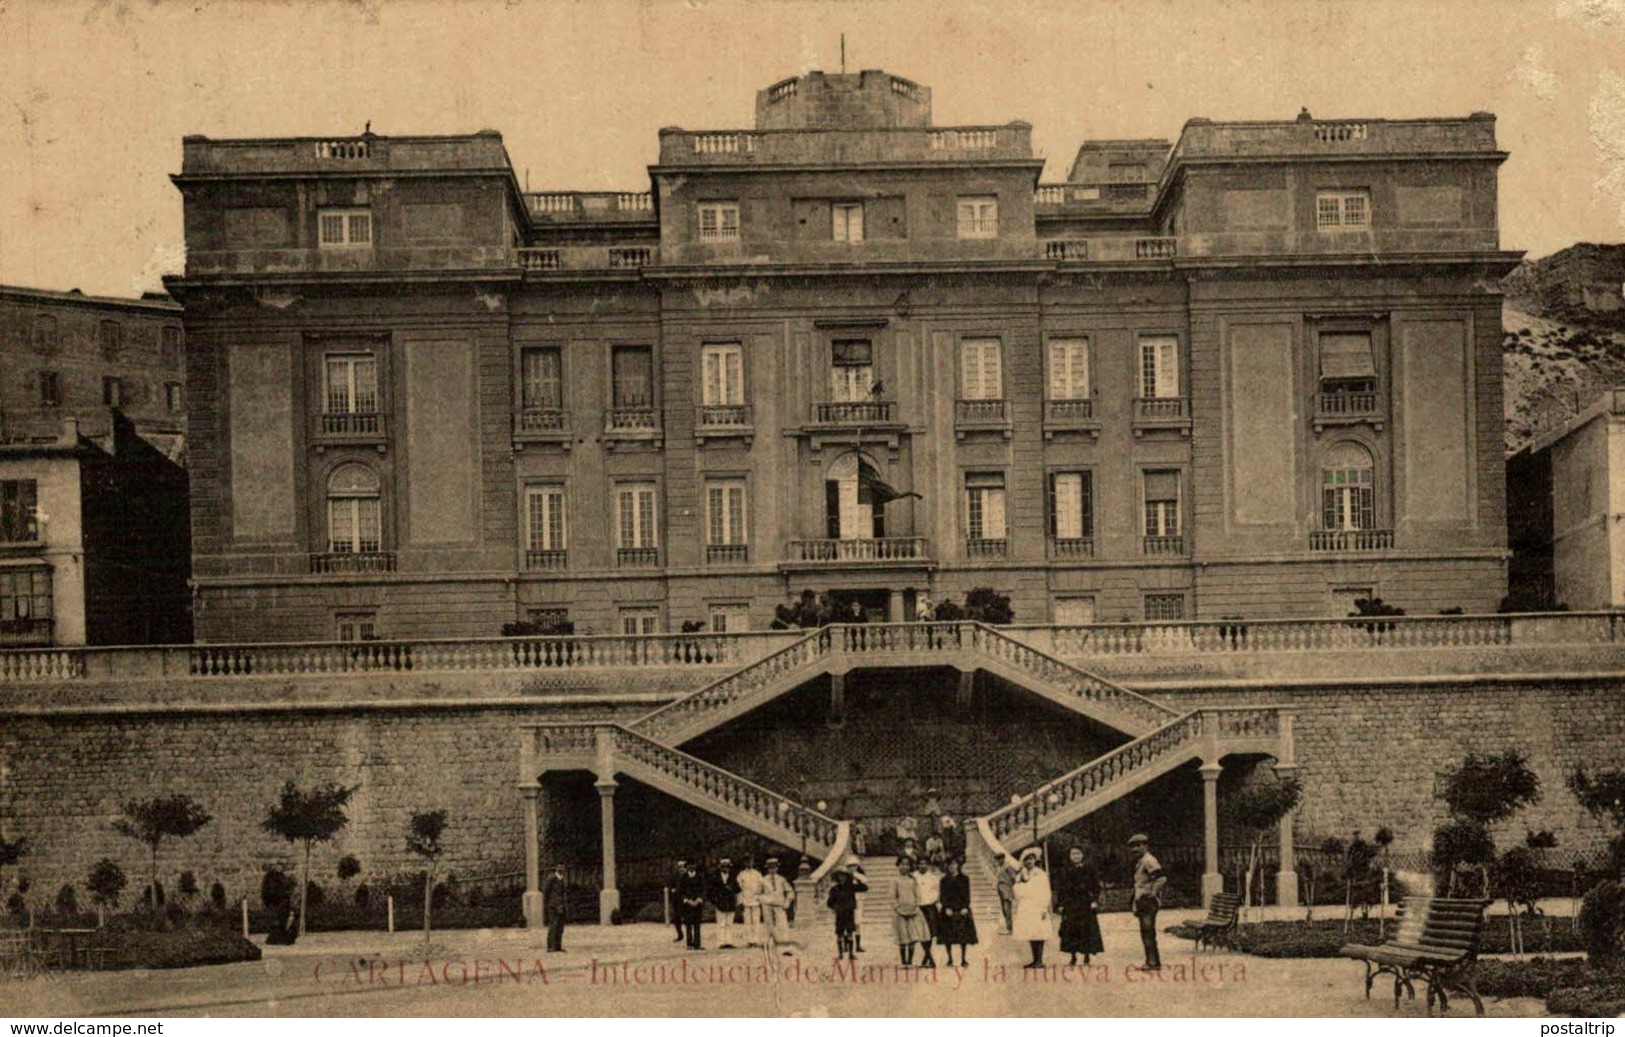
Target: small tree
<point>986,605</point>
<point>1603,796</point>
<point>1480,792</point>
<point>1384,838</point>
<point>105,882</point>
<point>151,821</point>
<point>1257,808</point>
<point>423,840</point>
<point>308,817</point>
<point>11,851</point>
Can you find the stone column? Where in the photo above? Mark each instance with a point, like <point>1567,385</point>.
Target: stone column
<point>967,690</point>
<point>532,901</point>
<point>837,695</point>
<point>1286,880</point>
<point>1212,881</point>
<point>609,898</point>
<point>894,608</point>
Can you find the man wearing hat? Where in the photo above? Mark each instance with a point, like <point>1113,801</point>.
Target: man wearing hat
<point>674,907</point>
<point>554,900</point>
<point>1149,878</point>
<point>777,896</point>
<point>724,895</point>
<point>749,883</point>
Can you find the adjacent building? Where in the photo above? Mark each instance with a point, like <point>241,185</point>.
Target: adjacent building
<point>72,355</point>
<point>1566,491</point>
<point>1252,373</point>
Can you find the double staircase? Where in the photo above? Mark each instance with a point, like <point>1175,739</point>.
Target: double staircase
<point>647,748</point>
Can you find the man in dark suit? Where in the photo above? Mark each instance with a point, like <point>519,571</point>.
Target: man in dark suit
<point>553,906</point>
<point>673,903</point>
<point>691,904</point>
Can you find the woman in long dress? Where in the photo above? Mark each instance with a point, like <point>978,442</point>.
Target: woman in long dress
<point>1030,918</point>
<point>955,926</point>
<point>1077,899</point>
<point>907,919</point>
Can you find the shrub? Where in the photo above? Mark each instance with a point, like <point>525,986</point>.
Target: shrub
<point>1602,923</point>
<point>141,941</point>
<point>67,900</point>
<point>315,895</point>
<point>17,904</point>
<point>151,821</point>
<point>986,605</point>
<point>348,868</point>
<point>1460,845</point>
<point>1491,788</point>
<point>276,890</point>
<point>105,882</point>
<point>363,895</point>
<point>217,895</point>
<point>186,885</point>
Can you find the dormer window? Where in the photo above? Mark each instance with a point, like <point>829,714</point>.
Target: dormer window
<point>719,221</point>
<point>344,228</point>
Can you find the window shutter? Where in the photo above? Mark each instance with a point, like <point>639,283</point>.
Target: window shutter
<point>1068,491</point>
<point>970,369</point>
<point>1346,356</point>
<point>993,513</point>
<point>1167,368</point>
<point>733,376</point>
<point>851,514</point>
<point>736,515</point>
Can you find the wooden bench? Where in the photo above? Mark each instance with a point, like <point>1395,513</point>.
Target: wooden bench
<point>1437,942</point>
<point>1218,929</point>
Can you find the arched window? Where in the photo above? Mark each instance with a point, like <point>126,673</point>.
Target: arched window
<point>353,523</point>
<point>1348,495</point>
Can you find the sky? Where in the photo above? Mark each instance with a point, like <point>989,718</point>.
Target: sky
<point>95,95</point>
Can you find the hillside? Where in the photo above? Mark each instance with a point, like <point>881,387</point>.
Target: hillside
<point>1555,366</point>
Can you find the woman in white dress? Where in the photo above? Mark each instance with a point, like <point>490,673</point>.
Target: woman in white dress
<point>1030,919</point>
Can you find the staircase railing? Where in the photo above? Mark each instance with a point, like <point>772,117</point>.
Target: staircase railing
<point>728,789</point>
<point>1085,685</point>
<point>735,687</point>
<point>1034,810</point>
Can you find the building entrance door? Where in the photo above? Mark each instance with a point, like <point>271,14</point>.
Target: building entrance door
<point>875,604</point>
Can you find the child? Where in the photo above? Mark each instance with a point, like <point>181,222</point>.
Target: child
<point>843,900</point>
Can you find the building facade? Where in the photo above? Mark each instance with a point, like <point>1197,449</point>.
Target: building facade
<point>71,355</point>
<point>1566,492</point>
<point>1254,374</point>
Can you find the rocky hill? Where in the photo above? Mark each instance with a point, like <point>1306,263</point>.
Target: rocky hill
<point>1555,365</point>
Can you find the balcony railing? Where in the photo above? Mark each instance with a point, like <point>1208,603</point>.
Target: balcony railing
<point>637,557</point>
<point>984,547</point>
<point>877,550</point>
<point>1061,412</point>
<point>845,146</point>
<point>541,259</point>
<point>1155,409</point>
<point>866,412</point>
<point>1165,545</point>
<point>625,258</point>
<point>24,632</point>
<point>725,416</point>
<point>1072,547</point>
<point>545,559</point>
<point>326,562</point>
<point>632,419</point>
<point>1067,251</point>
<point>727,554</point>
<point>587,205</point>
<point>587,257</point>
<point>1351,539</point>
<point>370,425</point>
<point>544,419</point>
<point>981,412</point>
<point>1346,404</point>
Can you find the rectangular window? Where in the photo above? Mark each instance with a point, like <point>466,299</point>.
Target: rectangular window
<point>1347,364</point>
<point>981,377</point>
<point>344,228</point>
<point>979,216</point>
<point>1068,368</point>
<point>112,392</point>
<point>545,528</point>
<point>354,525</point>
<point>541,374</point>
<point>356,626</point>
<point>722,368</point>
<point>1348,499</point>
<point>352,383</point>
<point>19,510</point>
<point>632,370</point>
<point>730,619</point>
<point>1159,367</point>
<point>1162,504</point>
<point>984,506</point>
<point>174,397</point>
<point>1164,608</point>
<point>550,621</point>
<point>1074,611</point>
<point>45,333</point>
<point>50,389</point>
<point>1071,505</point>
<point>725,513</point>
<point>25,598</point>
<point>848,221</point>
<point>1342,210</point>
<point>172,349</point>
<point>635,622</point>
<point>852,370</point>
<point>719,221</point>
<point>111,337</point>
<point>635,517</point>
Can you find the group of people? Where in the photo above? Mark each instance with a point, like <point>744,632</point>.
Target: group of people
<point>750,905</point>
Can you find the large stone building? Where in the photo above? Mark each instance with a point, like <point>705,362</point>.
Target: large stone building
<point>1253,374</point>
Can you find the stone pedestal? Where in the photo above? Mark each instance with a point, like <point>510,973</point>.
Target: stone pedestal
<point>609,902</point>
<point>1286,888</point>
<point>531,904</point>
<point>1212,882</point>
